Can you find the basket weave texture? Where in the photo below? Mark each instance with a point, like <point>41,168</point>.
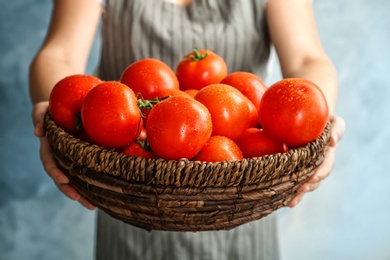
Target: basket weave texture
<point>156,194</point>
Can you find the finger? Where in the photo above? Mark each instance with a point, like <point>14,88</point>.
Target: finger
<point>39,111</point>
<point>326,166</point>
<point>73,194</point>
<point>86,204</point>
<point>308,187</point>
<point>337,130</point>
<point>296,199</point>
<point>323,171</point>
<point>305,188</point>
<point>37,115</point>
<point>39,131</point>
<point>68,190</point>
<point>49,164</point>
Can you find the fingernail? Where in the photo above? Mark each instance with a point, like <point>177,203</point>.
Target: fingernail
<point>73,195</point>
<point>315,179</point>
<point>335,139</point>
<point>303,189</point>
<point>91,207</point>
<point>293,203</point>
<point>62,179</point>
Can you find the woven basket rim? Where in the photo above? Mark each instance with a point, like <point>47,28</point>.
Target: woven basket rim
<point>128,167</point>
<point>183,195</point>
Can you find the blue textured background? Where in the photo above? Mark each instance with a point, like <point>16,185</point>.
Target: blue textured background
<point>346,218</point>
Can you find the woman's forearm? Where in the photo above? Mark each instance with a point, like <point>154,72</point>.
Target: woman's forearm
<point>301,55</point>
<point>45,71</point>
<point>322,72</point>
<point>67,45</point>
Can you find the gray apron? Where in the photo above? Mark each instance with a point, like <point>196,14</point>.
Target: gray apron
<point>137,29</point>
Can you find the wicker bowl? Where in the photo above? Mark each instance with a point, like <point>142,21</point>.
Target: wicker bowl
<point>156,194</point>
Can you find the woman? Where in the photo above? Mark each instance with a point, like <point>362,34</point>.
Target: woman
<point>241,32</point>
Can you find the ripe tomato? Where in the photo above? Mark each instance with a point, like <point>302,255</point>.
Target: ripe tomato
<point>248,84</point>
<point>293,111</point>
<point>254,143</point>
<point>142,131</point>
<point>149,76</point>
<point>191,92</point>
<point>110,115</point>
<point>178,127</point>
<point>219,149</point>
<point>254,115</point>
<point>170,92</point>
<point>228,108</point>
<point>66,99</point>
<point>199,69</point>
<point>136,149</point>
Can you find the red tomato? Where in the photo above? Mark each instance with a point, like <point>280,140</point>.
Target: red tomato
<point>191,92</point>
<point>146,105</point>
<point>142,131</point>
<point>254,115</point>
<point>67,97</point>
<point>170,92</point>
<point>219,149</point>
<point>136,149</point>
<point>293,111</point>
<point>178,127</point>
<point>248,84</point>
<point>199,69</point>
<point>254,143</point>
<point>149,76</point>
<point>228,108</point>
<point>110,115</point>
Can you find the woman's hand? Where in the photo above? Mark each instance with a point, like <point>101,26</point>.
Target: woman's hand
<point>47,158</point>
<point>337,132</point>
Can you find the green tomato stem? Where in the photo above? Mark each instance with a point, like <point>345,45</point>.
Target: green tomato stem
<point>197,56</point>
<point>148,104</point>
<point>144,144</point>
<point>79,123</point>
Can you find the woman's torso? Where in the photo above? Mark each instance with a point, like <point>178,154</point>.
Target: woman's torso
<point>137,29</point>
